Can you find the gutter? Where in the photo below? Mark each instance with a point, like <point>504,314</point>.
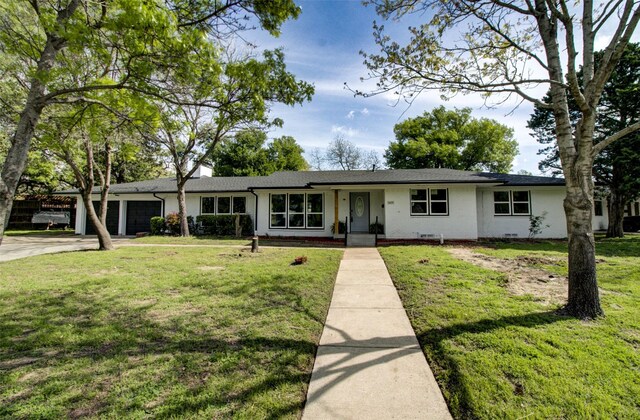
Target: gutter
<point>255,222</point>
<point>161,199</point>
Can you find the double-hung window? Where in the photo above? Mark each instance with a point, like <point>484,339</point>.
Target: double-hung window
<point>430,201</point>
<point>296,211</point>
<point>512,203</point>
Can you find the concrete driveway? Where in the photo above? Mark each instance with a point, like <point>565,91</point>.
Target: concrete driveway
<point>15,247</point>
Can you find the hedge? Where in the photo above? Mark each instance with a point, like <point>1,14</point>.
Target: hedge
<point>225,225</point>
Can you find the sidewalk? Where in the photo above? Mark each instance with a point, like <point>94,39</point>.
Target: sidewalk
<point>369,364</point>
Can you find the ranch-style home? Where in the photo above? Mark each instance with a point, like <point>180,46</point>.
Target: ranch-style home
<point>408,203</point>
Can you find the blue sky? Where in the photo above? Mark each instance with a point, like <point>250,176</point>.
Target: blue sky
<point>322,47</point>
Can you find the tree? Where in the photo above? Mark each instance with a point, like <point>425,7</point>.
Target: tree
<point>616,168</point>
<point>43,42</point>
<point>452,139</point>
<point>241,155</point>
<point>285,154</point>
<point>220,102</point>
<point>317,159</point>
<point>504,48</point>
<point>344,154</point>
<point>247,154</point>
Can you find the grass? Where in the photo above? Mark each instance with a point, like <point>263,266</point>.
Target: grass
<point>158,332</point>
<point>38,232</point>
<point>193,240</point>
<point>225,240</point>
<point>496,355</point>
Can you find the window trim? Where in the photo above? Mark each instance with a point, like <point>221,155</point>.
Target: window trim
<point>428,202</point>
<point>511,203</point>
<point>304,212</point>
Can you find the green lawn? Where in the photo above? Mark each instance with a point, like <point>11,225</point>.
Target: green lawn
<point>159,332</point>
<point>192,240</point>
<point>497,355</point>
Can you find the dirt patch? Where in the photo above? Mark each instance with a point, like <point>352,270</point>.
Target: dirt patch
<point>522,278</point>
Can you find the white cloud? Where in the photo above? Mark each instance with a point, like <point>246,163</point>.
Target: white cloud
<point>351,115</point>
<point>345,131</point>
<point>364,112</point>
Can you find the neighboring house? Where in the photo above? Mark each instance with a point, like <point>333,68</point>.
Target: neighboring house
<point>409,203</point>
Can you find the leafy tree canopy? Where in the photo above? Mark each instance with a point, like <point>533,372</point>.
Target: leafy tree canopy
<point>248,154</point>
<point>452,139</point>
<point>618,166</point>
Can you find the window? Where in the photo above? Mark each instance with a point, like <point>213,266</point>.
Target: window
<point>418,202</point>
<point>520,201</point>
<point>314,210</point>
<point>597,207</point>
<point>239,205</point>
<point>501,202</point>
<point>636,206</point>
<point>208,205</point>
<point>627,210</point>
<point>516,203</point>
<point>224,205</point>
<point>297,211</point>
<point>429,202</point>
<point>279,210</point>
<point>438,201</point>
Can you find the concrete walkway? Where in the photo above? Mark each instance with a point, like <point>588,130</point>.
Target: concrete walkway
<point>16,247</point>
<point>369,364</point>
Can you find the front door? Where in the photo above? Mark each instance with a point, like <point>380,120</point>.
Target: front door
<point>359,210</point>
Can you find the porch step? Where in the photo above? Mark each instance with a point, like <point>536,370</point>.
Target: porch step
<point>361,240</point>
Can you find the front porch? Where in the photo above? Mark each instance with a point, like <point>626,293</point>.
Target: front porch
<point>359,213</point>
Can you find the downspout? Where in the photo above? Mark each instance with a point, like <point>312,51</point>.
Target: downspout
<point>255,221</point>
<point>161,199</point>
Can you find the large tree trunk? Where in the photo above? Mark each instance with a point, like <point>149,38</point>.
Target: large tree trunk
<point>182,210</point>
<point>104,238</point>
<point>616,204</point>
<point>584,297</point>
<point>16,158</point>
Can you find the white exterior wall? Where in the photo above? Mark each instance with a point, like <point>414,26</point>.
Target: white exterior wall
<point>543,199</point>
<point>170,205</point>
<point>461,222</point>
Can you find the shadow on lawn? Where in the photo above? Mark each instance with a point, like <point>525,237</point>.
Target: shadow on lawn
<point>34,338</point>
<point>439,358</point>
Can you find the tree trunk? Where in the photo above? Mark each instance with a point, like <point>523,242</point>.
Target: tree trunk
<point>616,204</point>
<point>584,297</point>
<point>104,238</point>
<point>16,158</point>
<point>182,210</point>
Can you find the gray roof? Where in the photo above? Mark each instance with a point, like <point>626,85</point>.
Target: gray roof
<point>309,179</point>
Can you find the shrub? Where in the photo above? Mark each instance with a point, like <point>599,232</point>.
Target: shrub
<point>342,227</point>
<point>172,221</point>
<point>225,224</point>
<point>376,226</point>
<point>536,224</point>
<point>157,225</point>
